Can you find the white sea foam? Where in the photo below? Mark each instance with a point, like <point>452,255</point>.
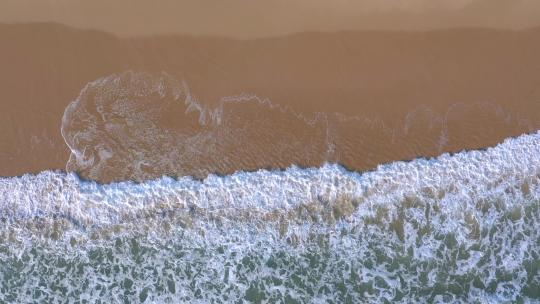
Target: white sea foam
<point>454,228</point>
<point>462,177</point>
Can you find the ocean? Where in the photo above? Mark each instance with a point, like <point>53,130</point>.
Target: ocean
<point>456,228</point>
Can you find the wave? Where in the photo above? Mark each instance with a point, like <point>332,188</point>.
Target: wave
<point>456,228</point>
<point>140,126</point>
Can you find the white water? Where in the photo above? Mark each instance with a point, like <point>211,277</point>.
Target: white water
<point>454,228</point>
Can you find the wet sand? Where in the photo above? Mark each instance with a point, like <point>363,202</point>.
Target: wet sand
<point>249,19</point>
<point>380,97</point>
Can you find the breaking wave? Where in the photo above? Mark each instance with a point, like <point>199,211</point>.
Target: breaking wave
<point>456,228</point>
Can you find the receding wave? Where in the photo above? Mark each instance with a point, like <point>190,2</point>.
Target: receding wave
<point>456,228</point>
<point>140,126</point>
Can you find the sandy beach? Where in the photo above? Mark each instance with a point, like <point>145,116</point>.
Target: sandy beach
<point>283,151</point>
<point>357,98</point>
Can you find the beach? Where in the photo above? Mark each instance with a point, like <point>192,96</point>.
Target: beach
<point>355,98</point>
<point>269,152</point>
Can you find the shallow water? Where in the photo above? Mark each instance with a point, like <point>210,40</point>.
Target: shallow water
<point>140,126</point>
<point>456,228</point>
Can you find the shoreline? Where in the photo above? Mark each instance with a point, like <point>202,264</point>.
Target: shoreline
<point>340,166</point>
<point>400,85</point>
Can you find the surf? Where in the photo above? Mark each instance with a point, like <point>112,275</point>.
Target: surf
<point>458,227</point>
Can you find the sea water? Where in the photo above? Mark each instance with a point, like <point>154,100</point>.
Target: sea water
<point>456,228</point>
